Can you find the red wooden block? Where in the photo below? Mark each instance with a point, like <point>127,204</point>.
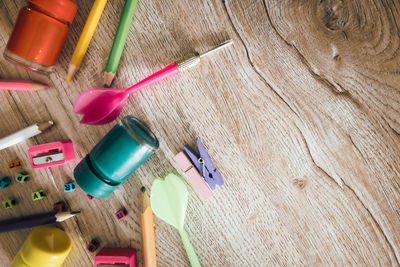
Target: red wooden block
<point>122,213</point>
<point>93,245</point>
<point>59,206</point>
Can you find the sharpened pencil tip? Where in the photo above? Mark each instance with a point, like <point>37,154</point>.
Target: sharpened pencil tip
<point>65,215</point>
<point>43,126</point>
<point>71,72</point>
<point>46,86</point>
<point>143,189</point>
<point>108,78</point>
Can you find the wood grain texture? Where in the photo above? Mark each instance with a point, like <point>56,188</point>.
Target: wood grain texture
<point>301,116</point>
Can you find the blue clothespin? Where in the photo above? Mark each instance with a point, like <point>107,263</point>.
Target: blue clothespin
<point>204,165</point>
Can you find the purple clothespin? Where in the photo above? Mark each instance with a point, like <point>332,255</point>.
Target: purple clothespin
<point>204,165</point>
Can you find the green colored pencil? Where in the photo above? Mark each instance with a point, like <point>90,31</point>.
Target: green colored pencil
<point>119,41</point>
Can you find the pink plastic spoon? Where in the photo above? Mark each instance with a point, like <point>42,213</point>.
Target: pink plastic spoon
<point>103,105</point>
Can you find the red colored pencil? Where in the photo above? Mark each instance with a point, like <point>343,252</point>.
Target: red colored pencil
<point>20,85</point>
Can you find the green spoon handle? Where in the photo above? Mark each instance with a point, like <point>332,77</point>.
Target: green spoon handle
<point>194,261</point>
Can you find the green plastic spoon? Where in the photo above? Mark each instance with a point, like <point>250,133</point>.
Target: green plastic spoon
<point>168,199</point>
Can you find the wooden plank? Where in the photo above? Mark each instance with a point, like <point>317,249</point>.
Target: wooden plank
<point>301,116</point>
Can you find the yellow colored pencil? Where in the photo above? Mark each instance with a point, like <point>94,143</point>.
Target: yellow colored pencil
<point>86,37</point>
<point>148,239</point>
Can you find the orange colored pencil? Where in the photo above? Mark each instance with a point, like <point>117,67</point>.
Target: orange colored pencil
<point>148,239</point>
<point>20,85</point>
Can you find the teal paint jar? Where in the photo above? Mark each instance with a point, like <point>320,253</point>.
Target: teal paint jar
<point>115,157</point>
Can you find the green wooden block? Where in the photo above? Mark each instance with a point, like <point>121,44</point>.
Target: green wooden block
<point>22,177</point>
<point>38,195</point>
<point>9,203</point>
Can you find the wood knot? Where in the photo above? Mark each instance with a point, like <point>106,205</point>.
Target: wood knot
<point>300,183</point>
<point>336,57</point>
<point>334,14</point>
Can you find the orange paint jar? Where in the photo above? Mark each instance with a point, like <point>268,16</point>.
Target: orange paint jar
<point>39,34</point>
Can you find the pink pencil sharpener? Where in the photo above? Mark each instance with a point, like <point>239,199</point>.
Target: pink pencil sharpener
<point>116,257</point>
<point>51,154</point>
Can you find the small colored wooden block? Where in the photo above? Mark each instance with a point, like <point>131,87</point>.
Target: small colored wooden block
<point>69,187</point>
<point>59,207</point>
<point>15,164</point>
<point>38,195</point>
<point>5,181</point>
<point>93,246</point>
<point>122,213</point>
<point>22,177</point>
<point>90,197</point>
<point>9,203</point>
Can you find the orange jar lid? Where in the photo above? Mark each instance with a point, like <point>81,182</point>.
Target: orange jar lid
<point>63,10</point>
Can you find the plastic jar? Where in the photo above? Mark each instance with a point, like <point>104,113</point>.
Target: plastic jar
<point>115,157</point>
<point>39,34</point>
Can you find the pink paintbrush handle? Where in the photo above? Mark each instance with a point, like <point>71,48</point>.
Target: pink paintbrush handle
<point>167,72</point>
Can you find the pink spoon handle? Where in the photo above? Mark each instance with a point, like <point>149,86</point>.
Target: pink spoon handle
<point>167,72</point>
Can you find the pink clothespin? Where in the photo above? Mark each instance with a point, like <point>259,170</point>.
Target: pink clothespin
<point>51,154</point>
<point>199,170</point>
<point>193,175</point>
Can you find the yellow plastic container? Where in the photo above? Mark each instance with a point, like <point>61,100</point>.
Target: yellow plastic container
<point>46,246</point>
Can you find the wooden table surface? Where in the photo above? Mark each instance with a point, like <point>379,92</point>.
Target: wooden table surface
<point>301,116</point>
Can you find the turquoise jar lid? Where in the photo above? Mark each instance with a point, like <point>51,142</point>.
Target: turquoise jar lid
<point>127,146</point>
